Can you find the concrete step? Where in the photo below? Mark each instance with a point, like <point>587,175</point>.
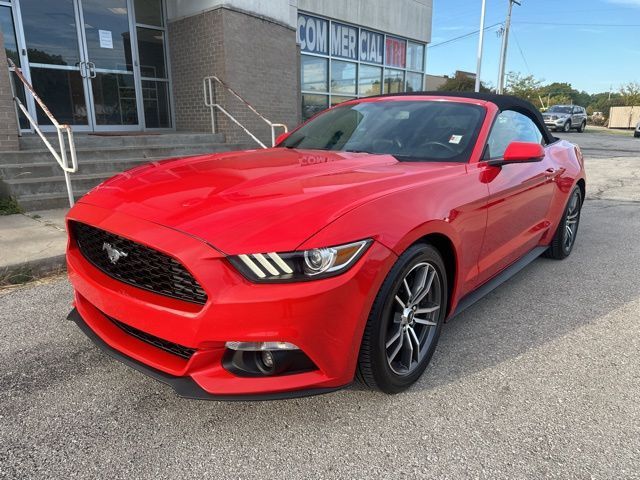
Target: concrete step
<point>32,203</point>
<point>44,185</point>
<point>50,168</point>
<point>34,142</point>
<point>118,152</point>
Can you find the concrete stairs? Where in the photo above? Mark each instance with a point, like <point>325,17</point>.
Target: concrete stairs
<point>32,176</point>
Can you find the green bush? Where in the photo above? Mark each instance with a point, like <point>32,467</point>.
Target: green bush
<point>8,206</point>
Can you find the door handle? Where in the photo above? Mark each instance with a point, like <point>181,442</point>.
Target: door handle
<point>82,66</point>
<point>550,170</point>
<point>92,69</point>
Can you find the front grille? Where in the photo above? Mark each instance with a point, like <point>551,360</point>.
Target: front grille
<point>174,348</point>
<point>137,265</point>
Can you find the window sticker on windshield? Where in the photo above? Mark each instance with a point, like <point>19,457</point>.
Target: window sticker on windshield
<point>455,139</point>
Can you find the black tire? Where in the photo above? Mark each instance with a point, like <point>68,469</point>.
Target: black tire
<point>375,368</point>
<point>582,127</point>
<point>636,134</point>
<point>560,247</point>
<point>567,126</point>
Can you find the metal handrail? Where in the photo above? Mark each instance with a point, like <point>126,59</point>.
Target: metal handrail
<point>61,157</point>
<point>209,101</point>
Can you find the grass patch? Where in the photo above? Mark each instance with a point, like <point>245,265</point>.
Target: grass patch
<point>8,206</point>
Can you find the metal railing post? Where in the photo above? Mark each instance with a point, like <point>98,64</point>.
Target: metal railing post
<point>208,90</point>
<point>61,157</point>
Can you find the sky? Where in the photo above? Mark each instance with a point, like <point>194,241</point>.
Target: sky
<point>592,44</point>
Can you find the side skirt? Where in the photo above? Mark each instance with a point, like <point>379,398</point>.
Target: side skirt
<point>498,280</point>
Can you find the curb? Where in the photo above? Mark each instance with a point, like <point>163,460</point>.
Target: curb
<point>32,270</point>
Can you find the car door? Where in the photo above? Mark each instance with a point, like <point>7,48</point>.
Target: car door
<point>519,196</point>
<point>576,117</point>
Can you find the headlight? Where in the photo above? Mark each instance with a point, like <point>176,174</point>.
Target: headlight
<point>301,265</point>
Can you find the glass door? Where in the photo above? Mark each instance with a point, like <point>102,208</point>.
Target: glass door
<point>80,62</point>
<point>56,61</point>
<point>106,27</point>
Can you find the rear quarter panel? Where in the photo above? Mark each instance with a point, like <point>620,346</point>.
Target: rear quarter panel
<point>569,163</point>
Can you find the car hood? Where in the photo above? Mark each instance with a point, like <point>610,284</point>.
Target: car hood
<point>257,200</point>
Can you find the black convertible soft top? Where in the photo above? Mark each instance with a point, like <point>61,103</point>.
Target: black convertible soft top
<point>503,102</point>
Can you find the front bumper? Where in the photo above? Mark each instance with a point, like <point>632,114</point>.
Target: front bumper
<point>555,123</point>
<point>324,318</point>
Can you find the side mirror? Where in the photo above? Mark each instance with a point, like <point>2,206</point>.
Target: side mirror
<point>282,137</point>
<point>520,152</point>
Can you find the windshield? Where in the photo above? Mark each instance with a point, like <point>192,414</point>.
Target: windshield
<point>559,109</point>
<point>409,130</point>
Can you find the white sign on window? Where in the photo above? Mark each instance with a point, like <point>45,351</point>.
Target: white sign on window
<point>106,40</point>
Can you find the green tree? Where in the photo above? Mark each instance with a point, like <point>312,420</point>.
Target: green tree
<point>525,87</point>
<point>630,93</point>
<point>461,83</point>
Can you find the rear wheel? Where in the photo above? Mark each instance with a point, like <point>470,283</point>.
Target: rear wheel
<point>582,127</point>
<point>565,236</point>
<point>405,322</point>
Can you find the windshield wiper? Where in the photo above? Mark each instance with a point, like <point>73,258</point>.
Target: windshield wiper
<point>361,151</point>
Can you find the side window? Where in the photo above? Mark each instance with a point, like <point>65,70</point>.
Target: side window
<point>510,127</point>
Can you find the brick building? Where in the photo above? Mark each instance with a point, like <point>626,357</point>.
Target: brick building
<point>138,65</point>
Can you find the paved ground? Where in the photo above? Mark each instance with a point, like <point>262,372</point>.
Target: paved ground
<point>612,161</point>
<point>541,379</point>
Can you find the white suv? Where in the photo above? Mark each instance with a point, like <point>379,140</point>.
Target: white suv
<point>566,118</point>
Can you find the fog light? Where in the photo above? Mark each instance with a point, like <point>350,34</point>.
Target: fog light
<point>267,359</point>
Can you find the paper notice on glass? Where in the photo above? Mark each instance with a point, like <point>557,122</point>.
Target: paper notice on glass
<point>106,40</point>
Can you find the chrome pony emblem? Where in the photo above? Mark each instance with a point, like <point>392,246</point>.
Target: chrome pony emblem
<point>113,253</point>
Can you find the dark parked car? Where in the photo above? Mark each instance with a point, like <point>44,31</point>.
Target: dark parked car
<point>566,118</point>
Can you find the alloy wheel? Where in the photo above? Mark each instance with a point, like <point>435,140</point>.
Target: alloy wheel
<point>413,318</point>
<point>571,222</point>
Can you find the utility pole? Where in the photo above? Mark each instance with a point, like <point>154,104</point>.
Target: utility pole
<point>480,44</point>
<point>505,44</point>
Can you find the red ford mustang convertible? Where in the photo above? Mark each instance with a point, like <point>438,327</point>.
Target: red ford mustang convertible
<point>336,255</point>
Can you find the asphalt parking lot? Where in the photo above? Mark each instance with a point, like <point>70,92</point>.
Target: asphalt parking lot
<point>540,379</point>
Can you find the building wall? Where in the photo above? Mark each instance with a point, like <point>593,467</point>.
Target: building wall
<point>196,51</point>
<point>8,124</point>
<point>406,18</point>
<point>255,56</point>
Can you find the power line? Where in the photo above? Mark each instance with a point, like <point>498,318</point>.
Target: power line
<point>466,35</point>
<point>581,24</point>
<point>526,64</point>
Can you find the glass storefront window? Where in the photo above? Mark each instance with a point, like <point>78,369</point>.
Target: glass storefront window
<point>50,42</point>
<point>63,92</point>
<point>151,52</point>
<point>343,77</point>
<point>336,99</point>
<point>149,12</point>
<point>314,72</point>
<point>369,80</point>
<point>415,57</point>
<point>312,104</point>
<point>114,97</point>
<point>414,82</point>
<point>155,96</point>
<point>393,81</point>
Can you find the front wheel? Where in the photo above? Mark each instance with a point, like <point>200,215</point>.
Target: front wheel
<point>405,321</point>
<point>567,127</point>
<point>565,236</point>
